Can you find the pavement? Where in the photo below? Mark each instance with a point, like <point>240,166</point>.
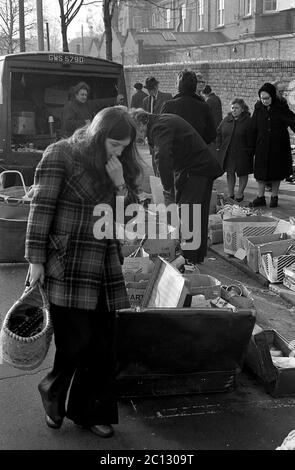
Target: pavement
<point>247,418</point>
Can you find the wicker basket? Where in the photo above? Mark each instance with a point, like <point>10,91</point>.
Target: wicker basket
<point>28,348</point>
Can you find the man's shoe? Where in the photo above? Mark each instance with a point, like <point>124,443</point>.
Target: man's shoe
<point>51,423</point>
<point>259,201</point>
<point>102,430</point>
<point>239,199</point>
<point>274,201</point>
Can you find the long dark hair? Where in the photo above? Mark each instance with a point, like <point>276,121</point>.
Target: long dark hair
<point>89,143</point>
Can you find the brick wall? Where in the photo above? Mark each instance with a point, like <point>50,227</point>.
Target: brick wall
<point>229,79</point>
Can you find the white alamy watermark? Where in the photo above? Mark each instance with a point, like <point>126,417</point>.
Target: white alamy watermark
<point>151,221</point>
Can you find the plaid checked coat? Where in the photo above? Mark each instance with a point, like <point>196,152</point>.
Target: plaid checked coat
<point>60,235</point>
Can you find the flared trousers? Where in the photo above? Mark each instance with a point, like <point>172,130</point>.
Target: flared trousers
<point>83,373</point>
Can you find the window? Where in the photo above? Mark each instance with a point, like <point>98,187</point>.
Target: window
<point>200,14</point>
<point>220,12</point>
<point>269,5</point>
<point>183,15</point>
<point>168,17</point>
<point>248,5</point>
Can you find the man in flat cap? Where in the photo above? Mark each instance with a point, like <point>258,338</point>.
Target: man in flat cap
<point>154,102</point>
<point>138,97</point>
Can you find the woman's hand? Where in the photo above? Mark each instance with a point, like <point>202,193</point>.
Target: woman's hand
<point>36,274</point>
<point>115,171</point>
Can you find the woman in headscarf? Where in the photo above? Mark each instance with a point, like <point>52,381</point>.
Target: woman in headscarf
<point>271,143</point>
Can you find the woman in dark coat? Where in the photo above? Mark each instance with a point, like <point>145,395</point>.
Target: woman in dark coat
<point>80,264</point>
<point>78,111</point>
<point>271,143</point>
<point>233,146</point>
<point>187,170</point>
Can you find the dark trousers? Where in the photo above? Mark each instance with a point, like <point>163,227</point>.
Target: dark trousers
<point>84,366</point>
<point>197,189</point>
<point>155,167</point>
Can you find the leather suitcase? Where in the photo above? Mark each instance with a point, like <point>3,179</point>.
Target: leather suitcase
<point>164,351</point>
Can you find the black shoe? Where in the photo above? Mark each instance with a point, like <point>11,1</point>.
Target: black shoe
<point>259,201</point>
<point>274,201</point>
<point>239,199</point>
<point>52,423</point>
<point>102,430</point>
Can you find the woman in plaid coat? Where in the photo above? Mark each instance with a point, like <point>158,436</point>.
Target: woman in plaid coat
<point>81,273</point>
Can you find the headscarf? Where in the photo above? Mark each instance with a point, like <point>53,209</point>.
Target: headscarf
<point>270,89</point>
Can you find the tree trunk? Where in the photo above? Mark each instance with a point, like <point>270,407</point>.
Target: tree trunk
<point>22,39</point>
<point>65,46</point>
<point>107,18</point>
<point>40,30</point>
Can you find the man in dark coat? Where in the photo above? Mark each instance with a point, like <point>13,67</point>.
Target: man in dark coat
<point>186,167</point>
<point>271,143</point>
<point>214,103</point>
<point>138,97</point>
<point>191,107</point>
<point>154,102</point>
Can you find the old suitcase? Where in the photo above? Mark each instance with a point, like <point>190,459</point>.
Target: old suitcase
<point>164,351</point>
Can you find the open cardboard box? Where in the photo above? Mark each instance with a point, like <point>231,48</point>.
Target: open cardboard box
<point>251,245</point>
<point>272,259</point>
<point>278,382</point>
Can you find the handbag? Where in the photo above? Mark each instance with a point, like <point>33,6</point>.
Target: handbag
<point>27,331</point>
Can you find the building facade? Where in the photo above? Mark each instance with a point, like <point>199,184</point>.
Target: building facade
<point>235,18</point>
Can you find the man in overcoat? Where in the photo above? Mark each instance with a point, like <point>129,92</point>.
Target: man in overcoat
<point>186,167</point>
<point>191,107</point>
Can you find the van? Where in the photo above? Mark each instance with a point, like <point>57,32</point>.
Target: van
<point>34,89</point>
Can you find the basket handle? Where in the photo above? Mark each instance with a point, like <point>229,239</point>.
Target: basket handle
<point>20,175</point>
<point>28,290</point>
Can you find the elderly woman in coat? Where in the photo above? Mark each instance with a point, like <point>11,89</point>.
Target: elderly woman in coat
<point>271,143</point>
<point>81,268</point>
<point>186,167</point>
<point>233,145</point>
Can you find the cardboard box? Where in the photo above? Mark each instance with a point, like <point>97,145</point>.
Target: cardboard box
<point>235,229</point>
<point>139,265</point>
<point>272,259</point>
<point>278,382</point>
<point>251,246</point>
<point>215,234</point>
<point>136,287</point>
<point>164,248</point>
